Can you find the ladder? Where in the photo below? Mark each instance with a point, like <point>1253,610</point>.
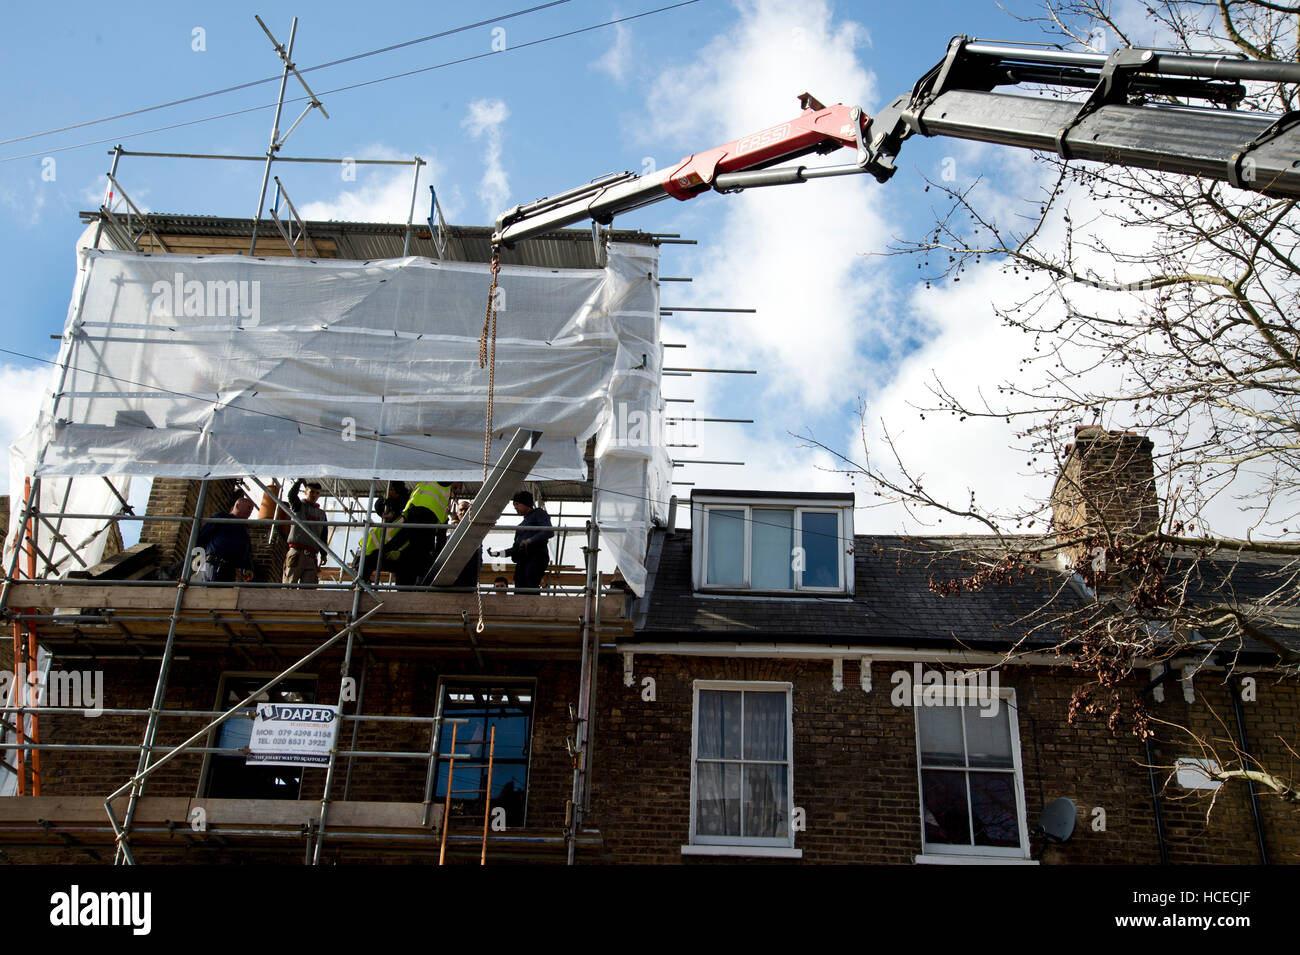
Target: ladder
<point>451,779</point>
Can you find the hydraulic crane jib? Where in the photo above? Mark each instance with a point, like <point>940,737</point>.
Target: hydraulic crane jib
<point>1118,124</point>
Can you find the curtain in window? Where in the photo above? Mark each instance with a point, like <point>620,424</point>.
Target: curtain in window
<point>988,737</point>
<point>748,794</point>
<point>726,547</point>
<point>771,564</point>
<point>765,785</point>
<point>717,785</point>
<point>941,740</point>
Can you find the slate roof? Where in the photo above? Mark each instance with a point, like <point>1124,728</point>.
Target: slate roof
<point>894,604</point>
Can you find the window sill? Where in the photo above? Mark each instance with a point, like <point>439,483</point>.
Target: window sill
<point>955,859</point>
<point>766,852</point>
<point>839,595</point>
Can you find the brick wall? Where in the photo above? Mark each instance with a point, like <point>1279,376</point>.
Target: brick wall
<point>393,685</point>
<point>854,771</point>
<point>855,767</point>
<point>177,497</point>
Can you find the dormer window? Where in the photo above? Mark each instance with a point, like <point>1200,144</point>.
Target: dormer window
<point>772,542</point>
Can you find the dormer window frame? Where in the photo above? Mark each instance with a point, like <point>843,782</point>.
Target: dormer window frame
<point>705,507</point>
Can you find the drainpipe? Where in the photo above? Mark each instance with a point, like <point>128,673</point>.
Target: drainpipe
<point>1151,772</point>
<point>1155,804</point>
<point>1250,783</point>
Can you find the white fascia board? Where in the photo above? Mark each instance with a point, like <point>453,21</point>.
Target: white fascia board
<point>803,651</point>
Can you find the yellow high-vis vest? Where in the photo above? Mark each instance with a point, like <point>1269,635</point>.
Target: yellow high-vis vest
<point>436,497</point>
<point>372,540</point>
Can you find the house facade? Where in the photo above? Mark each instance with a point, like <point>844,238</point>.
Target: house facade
<point>786,690</point>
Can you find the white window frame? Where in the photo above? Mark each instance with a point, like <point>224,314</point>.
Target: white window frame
<point>844,565</point>
<point>946,852</point>
<point>744,845</point>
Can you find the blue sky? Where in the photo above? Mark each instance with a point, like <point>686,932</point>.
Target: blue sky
<point>569,119</point>
<point>836,322</point>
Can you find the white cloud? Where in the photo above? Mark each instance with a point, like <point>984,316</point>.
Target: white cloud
<point>616,61</point>
<point>26,205</point>
<point>381,193</point>
<point>783,249</point>
<point>92,194</point>
<point>484,120</point>
<point>791,252</point>
<point>972,352</point>
<point>22,389</point>
<point>775,51</point>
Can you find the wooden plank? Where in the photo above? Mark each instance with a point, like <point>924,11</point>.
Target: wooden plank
<point>83,810</point>
<point>516,607</point>
<point>380,815</point>
<point>269,243</point>
<point>52,596</point>
<point>284,601</point>
<point>267,812</point>
<point>233,813</point>
<point>296,813</point>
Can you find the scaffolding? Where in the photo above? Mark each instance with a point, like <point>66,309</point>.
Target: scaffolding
<point>383,615</point>
<point>84,615</point>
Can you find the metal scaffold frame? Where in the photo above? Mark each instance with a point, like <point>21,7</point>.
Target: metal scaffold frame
<point>151,757</point>
<point>128,227</point>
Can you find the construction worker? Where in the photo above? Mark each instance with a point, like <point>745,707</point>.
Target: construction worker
<point>303,559</point>
<point>529,551</point>
<point>419,546</point>
<point>393,501</point>
<point>368,562</point>
<point>227,548</point>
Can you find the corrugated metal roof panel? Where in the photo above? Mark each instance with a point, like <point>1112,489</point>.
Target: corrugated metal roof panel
<point>565,249</point>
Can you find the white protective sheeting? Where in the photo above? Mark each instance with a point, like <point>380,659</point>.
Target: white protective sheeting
<point>633,470</point>
<point>224,366</point>
<point>67,543</point>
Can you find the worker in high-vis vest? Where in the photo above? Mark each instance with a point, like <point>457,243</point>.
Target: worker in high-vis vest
<point>369,562</point>
<point>418,546</point>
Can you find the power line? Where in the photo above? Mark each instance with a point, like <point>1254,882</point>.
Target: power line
<point>272,79</point>
<point>355,86</point>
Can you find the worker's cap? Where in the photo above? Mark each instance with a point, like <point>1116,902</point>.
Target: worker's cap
<point>315,484</point>
<point>523,497</point>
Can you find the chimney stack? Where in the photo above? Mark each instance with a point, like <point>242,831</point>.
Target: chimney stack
<point>1106,487</point>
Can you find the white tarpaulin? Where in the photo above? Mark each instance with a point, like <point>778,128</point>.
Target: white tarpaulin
<point>225,366</point>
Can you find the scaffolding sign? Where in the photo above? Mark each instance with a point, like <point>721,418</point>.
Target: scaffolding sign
<point>292,734</point>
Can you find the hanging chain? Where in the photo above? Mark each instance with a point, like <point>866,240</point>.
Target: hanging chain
<point>487,357</point>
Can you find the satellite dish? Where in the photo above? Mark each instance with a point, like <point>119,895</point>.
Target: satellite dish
<point>1056,822</point>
